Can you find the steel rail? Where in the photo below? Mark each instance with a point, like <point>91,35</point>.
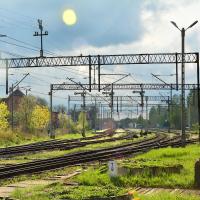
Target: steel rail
<point>83,157</point>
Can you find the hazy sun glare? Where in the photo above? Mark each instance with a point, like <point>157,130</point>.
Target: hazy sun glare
<point>69,17</point>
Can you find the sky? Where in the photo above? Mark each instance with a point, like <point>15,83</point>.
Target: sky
<point>103,27</point>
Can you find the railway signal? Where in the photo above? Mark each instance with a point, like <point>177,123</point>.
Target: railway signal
<point>41,34</point>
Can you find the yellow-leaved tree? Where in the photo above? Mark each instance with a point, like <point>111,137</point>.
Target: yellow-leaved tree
<point>39,117</point>
<point>4,113</point>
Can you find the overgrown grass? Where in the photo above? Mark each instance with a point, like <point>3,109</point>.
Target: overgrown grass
<point>59,191</point>
<point>165,157</point>
<point>44,175</point>
<point>96,181</point>
<point>56,153</point>
<point>162,157</point>
<point>16,137</point>
<point>168,196</point>
<point>94,177</point>
<point>7,138</point>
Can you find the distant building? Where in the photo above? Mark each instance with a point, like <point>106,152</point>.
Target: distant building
<point>108,123</point>
<point>17,95</point>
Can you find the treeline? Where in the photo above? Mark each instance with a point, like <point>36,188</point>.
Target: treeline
<point>162,117</point>
<point>32,114</point>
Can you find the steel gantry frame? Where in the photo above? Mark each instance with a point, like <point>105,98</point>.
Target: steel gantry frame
<point>118,98</point>
<point>73,87</point>
<point>99,60</point>
<point>117,86</point>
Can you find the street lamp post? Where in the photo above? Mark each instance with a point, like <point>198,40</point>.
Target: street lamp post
<point>183,111</point>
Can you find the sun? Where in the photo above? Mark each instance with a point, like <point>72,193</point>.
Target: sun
<point>69,17</point>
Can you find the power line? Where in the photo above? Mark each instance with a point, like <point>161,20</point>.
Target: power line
<point>33,48</point>
<point>10,53</point>
<point>18,45</point>
<point>26,43</point>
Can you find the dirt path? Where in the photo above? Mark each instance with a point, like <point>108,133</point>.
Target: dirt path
<point>6,191</point>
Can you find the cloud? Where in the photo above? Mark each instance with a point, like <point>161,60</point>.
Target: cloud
<point>110,27</point>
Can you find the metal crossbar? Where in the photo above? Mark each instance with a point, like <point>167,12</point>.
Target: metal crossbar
<point>156,58</point>
<point>118,98</point>
<point>134,86</point>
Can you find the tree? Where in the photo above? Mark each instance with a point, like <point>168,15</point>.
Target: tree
<point>192,105</point>
<point>125,123</point>
<point>82,123</point>
<point>153,117</point>
<point>39,117</point>
<point>176,112</point>
<point>26,107</point>
<point>140,121</point>
<point>60,108</point>
<point>41,101</point>
<point>92,116</point>
<point>65,122</point>
<point>4,113</point>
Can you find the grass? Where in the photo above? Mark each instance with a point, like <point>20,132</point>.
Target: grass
<point>168,196</point>
<point>56,153</point>
<point>36,176</point>
<point>44,155</point>
<point>92,183</point>
<point>59,191</point>
<point>165,157</point>
<point>9,138</point>
<point>162,157</point>
<point>96,181</point>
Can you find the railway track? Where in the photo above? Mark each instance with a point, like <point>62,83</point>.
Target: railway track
<point>89,156</point>
<point>59,144</point>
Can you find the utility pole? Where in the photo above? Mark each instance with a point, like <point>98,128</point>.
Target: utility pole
<point>41,34</point>
<point>12,99</point>
<point>169,111</point>
<point>68,104</point>
<point>12,107</point>
<point>198,94</point>
<point>27,105</point>
<point>142,105</point>
<point>6,76</point>
<point>118,105</point>
<point>99,115</point>
<point>68,114</point>
<point>95,117</point>
<point>121,105</point>
<point>102,116</point>
<point>146,99</point>
<point>51,134</point>
<point>94,80</point>
<point>83,106</point>
<point>111,108</point>
<point>183,115</point>
<point>74,112</point>
<point>183,110</point>
<point>83,132</point>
